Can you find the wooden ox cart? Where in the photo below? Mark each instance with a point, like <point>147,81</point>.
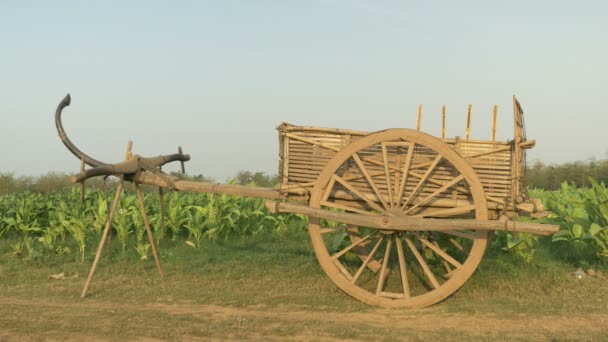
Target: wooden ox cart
<point>396,217</point>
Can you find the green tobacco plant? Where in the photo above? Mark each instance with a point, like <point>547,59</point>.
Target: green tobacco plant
<point>582,214</point>
<point>176,214</point>
<point>123,220</point>
<point>26,244</point>
<point>522,244</point>
<point>78,227</point>
<point>254,219</point>
<point>196,224</point>
<point>24,217</point>
<point>122,225</point>
<point>139,227</point>
<point>142,249</point>
<point>99,211</point>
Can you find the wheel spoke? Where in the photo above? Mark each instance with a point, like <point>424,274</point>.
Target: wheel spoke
<point>435,193</point>
<point>445,264</point>
<point>402,269</point>
<point>342,269</point>
<point>458,189</point>
<point>423,264</point>
<point>439,252</point>
<point>404,172</point>
<point>328,190</point>
<point>353,245</point>
<point>457,245</point>
<point>366,261</point>
<point>352,189</point>
<point>387,174</point>
<point>370,180</point>
<point>396,183</point>
<point>387,253</point>
<point>422,180</point>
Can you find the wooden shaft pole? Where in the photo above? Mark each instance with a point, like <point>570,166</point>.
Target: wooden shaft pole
<point>220,189</point>
<point>400,223</point>
<point>147,224</point>
<point>103,240</point>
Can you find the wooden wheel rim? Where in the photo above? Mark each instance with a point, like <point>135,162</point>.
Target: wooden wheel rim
<point>476,190</point>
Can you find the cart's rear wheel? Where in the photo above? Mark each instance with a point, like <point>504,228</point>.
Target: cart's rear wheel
<point>398,172</point>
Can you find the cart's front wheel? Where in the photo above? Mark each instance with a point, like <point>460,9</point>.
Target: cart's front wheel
<point>398,172</point>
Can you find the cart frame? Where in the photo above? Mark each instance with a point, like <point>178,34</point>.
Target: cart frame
<point>406,204</point>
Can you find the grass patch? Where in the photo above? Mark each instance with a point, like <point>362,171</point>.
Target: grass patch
<point>273,288</point>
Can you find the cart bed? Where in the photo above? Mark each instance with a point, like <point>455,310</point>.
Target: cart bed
<point>304,152</point>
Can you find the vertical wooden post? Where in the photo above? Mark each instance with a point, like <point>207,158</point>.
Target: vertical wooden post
<point>518,127</point>
<point>494,116</point>
<point>179,150</point>
<point>419,121</point>
<point>109,243</point>
<point>443,122</point>
<point>128,155</point>
<point>103,240</point>
<point>161,195</point>
<point>468,132</point>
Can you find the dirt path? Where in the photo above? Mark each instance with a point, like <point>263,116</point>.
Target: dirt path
<point>56,319</point>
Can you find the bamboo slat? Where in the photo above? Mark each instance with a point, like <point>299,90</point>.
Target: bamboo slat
<point>307,150</point>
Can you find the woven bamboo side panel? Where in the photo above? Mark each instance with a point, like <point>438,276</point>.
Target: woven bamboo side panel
<point>304,152</point>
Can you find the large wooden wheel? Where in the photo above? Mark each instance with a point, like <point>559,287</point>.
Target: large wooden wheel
<point>391,173</point>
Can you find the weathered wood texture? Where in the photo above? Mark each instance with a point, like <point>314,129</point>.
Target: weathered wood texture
<point>405,223</point>
<point>149,178</point>
<point>304,152</point>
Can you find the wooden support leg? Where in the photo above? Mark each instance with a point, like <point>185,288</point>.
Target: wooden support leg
<point>147,224</point>
<point>109,243</point>
<point>161,194</point>
<point>103,240</point>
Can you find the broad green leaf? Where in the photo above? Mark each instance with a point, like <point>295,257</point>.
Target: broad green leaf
<point>428,253</point>
<point>595,229</point>
<point>577,231</point>
<point>512,241</point>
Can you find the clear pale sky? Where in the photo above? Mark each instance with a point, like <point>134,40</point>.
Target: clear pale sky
<point>217,77</point>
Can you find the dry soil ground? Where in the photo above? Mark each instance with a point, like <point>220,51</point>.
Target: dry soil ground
<point>54,319</point>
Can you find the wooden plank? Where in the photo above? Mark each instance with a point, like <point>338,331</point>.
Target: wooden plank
<point>400,223</point>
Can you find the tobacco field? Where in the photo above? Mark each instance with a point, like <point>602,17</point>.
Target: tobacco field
<point>40,226</point>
